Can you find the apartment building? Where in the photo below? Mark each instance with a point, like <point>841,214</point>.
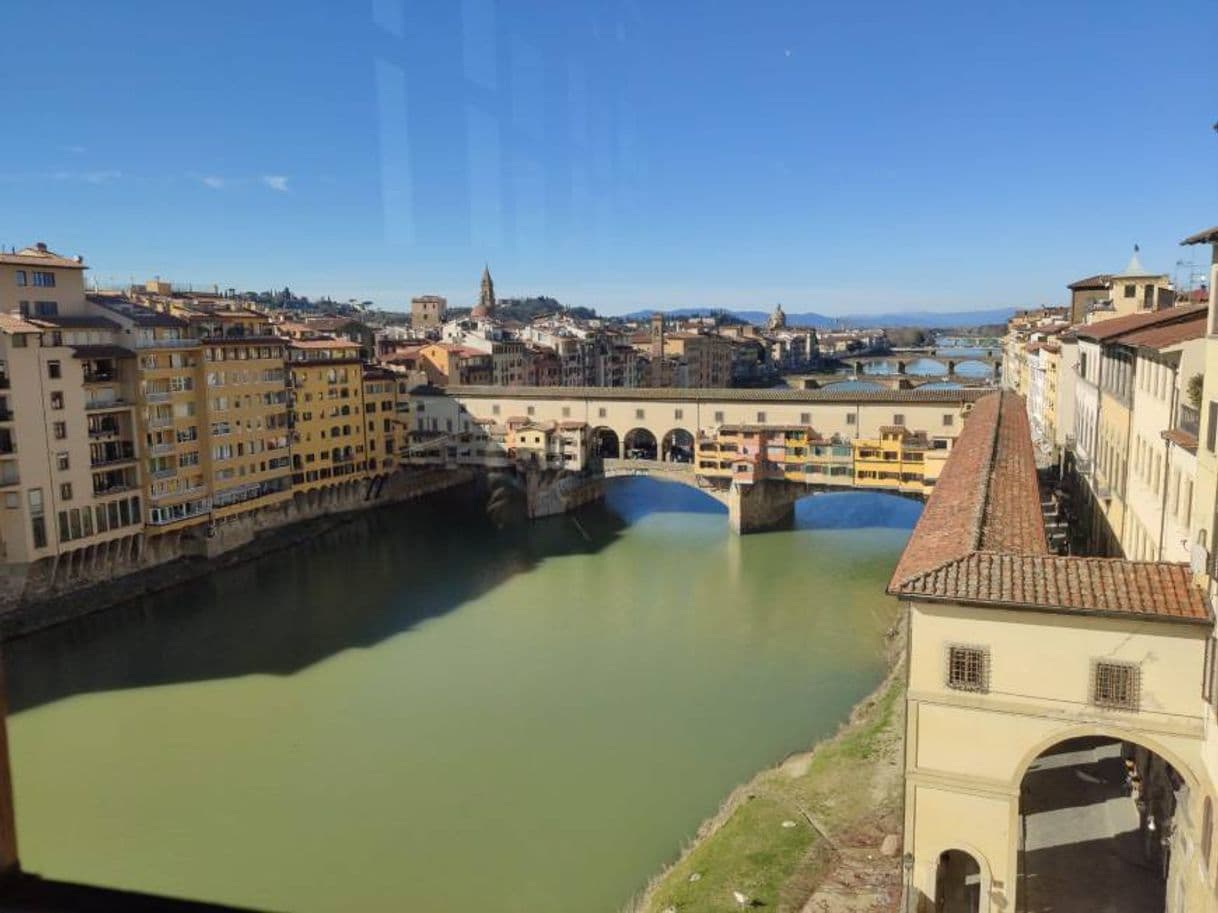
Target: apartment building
<point>383,428</point>
<point>907,460</point>
<point>329,436</point>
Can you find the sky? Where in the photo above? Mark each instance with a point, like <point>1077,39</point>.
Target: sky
<point>835,157</point>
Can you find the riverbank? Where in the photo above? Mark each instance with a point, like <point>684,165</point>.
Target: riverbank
<point>808,835</point>
<point>37,614</point>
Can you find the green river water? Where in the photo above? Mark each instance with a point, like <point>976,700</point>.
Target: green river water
<point>420,712</point>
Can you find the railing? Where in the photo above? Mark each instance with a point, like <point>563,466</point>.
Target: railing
<point>160,422</point>
<point>103,431</point>
<point>1188,419</point>
<point>159,449</point>
<point>158,396</point>
<point>164,473</point>
<point>116,402</point>
<point>107,490</point>
<point>100,377</point>
<point>165,343</point>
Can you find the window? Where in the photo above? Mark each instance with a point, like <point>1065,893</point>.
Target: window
<point>60,430</point>
<point>531,410</point>
<point>1131,290</point>
<point>1211,427</point>
<point>65,491</point>
<point>495,409</point>
<point>21,278</point>
<point>760,418</point>
<point>968,668</point>
<point>1116,685</point>
<point>678,414</point>
<point>602,412</point>
<point>44,280</point>
<point>37,520</point>
<point>566,411</point>
<point>851,418</point>
<point>54,370</point>
<point>948,420</point>
<point>56,400</point>
<point>898,418</point>
<point>638,413</point>
<point>718,418</point>
<point>805,418</point>
<point>47,309</point>
<point>61,461</point>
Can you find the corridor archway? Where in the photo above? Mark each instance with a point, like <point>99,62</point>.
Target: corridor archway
<point>605,444</point>
<point>677,446</point>
<point>640,445</point>
<point>1095,815</point>
<point>957,883</point>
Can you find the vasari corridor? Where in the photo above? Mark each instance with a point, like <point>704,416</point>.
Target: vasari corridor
<point>705,456</point>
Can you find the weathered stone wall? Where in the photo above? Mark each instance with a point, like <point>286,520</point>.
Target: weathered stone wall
<point>762,505</point>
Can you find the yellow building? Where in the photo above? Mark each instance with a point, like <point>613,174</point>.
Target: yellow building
<point>1059,709</point>
<point>383,430</point>
<point>896,459</point>
<point>328,425</point>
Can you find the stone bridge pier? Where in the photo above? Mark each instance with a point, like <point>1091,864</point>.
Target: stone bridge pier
<point>766,504</point>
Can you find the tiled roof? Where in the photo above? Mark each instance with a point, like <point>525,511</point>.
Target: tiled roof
<point>1105,330</point>
<point>1209,236</point>
<point>14,323</point>
<point>734,394</point>
<point>76,322</point>
<point>1104,586</point>
<point>39,255</point>
<point>1092,282</point>
<point>1172,334</point>
<point>981,538</point>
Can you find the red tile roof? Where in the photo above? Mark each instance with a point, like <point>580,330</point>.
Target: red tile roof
<point>981,538</point>
<point>1105,330</point>
<point>1159,337</point>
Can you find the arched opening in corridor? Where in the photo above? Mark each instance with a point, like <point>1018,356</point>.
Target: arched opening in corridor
<point>605,444</point>
<point>677,446</point>
<point>640,445</point>
<point>957,883</point>
<point>1095,819</point>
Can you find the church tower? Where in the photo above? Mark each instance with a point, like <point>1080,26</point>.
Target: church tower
<point>486,297</point>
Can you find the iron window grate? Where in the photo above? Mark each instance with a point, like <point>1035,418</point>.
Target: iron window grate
<point>1116,685</point>
<point>968,668</point>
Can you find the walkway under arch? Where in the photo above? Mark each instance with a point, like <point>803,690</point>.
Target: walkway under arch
<point>606,444</point>
<point>677,446</point>
<point>641,444</point>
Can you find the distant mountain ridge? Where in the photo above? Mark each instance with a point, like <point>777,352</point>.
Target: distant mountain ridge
<point>930,319</point>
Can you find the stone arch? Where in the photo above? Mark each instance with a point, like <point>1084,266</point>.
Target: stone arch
<point>640,443</point>
<point>1099,730</point>
<point>606,443</point>
<point>677,446</point>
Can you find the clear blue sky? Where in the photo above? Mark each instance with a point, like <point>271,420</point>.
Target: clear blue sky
<point>838,157</point>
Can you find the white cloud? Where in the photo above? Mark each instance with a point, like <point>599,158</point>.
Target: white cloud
<point>214,182</point>
<point>277,182</point>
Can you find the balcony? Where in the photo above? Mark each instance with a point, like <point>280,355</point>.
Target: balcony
<point>100,377</point>
<point>158,396</point>
<point>163,473</point>
<point>112,402</point>
<point>165,343</point>
<point>111,454</point>
<point>160,449</point>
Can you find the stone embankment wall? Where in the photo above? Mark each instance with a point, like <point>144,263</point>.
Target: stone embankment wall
<point>57,589</point>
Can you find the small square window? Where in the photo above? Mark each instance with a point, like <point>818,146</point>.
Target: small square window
<point>54,370</point>
<point>760,418</point>
<point>718,418</point>
<point>531,410</point>
<point>11,500</point>
<point>61,461</point>
<point>22,280</point>
<point>968,668</point>
<point>678,414</point>
<point>1116,685</point>
<point>495,409</point>
<point>638,413</point>
<point>602,412</point>
<point>65,491</point>
<point>851,418</point>
<point>61,430</point>
<point>566,411</point>
<point>898,418</point>
<point>56,400</point>
<point>948,420</point>
<point>805,418</point>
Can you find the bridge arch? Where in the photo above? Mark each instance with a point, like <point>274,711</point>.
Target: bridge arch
<point>677,446</point>
<point>606,444</point>
<point>640,443</point>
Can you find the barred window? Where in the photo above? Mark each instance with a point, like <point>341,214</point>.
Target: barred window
<point>1116,685</point>
<point>968,668</point>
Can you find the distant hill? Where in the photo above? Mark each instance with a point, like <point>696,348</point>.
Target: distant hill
<point>929,319</point>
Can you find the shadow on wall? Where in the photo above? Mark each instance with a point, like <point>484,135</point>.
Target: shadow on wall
<point>357,585</point>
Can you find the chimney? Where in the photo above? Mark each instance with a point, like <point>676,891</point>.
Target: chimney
<point>42,246</point>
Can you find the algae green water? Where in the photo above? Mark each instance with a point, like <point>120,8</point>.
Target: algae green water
<point>421,712</point>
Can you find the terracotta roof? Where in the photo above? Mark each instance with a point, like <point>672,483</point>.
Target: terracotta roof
<point>1172,334</point>
<point>1209,236</point>
<point>76,322</point>
<point>14,323</point>
<point>1099,281</point>
<point>1102,586</point>
<point>981,538</point>
<point>1118,326</point>
<point>327,343</point>
<point>39,255</point>
<point>732,394</point>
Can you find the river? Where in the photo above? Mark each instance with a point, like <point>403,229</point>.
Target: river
<point>418,711</point>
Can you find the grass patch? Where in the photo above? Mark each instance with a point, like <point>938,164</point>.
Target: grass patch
<point>751,853</point>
